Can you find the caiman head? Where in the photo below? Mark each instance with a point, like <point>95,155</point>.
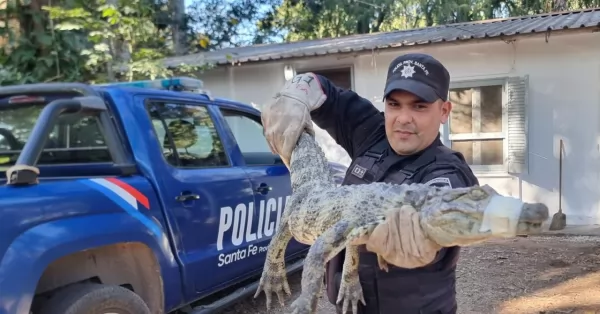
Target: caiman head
<point>464,216</point>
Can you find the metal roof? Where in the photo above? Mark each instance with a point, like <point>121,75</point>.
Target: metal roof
<point>570,20</point>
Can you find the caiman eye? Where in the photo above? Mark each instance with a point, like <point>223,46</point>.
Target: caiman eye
<point>478,194</point>
<point>452,196</point>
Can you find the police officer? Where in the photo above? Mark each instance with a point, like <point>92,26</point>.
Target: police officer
<point>401,145</point>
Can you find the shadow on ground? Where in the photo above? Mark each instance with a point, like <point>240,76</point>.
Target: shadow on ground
<point>535,275</point>
<point>531,275</point>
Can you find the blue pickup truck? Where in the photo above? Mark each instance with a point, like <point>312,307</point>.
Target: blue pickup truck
<point>144,197</point>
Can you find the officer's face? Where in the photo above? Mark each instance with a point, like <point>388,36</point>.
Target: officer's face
<point>411,124</point>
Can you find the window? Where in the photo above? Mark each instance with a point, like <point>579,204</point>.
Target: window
<point>476,124</point>
<point>4,145</point>
<point>341,77</point>
<point>187,135</point>
<point>248,133</point>
<point>75,139</point>
<point>487,124</point>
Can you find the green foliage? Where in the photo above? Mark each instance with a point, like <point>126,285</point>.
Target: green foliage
<point>217,24</point>
<point>96,42</point>
<point>311,19</point>
<point>120,36</point>
<point>31,53</point>
<point>100,41</point>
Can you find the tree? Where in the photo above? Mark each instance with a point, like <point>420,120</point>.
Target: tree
<point>111,40</point>
<point>87,41</point>
<point>217,24</point>
<point>311,19</point>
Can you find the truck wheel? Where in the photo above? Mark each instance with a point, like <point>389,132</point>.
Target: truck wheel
<point>95,299</point>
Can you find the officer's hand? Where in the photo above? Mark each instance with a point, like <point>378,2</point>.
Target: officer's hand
<point>288,115</point>
<point>401,241</point>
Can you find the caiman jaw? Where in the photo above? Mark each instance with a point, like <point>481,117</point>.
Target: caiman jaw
<point>509,217</point>
<point>533,216</point>
<point>501,216</point>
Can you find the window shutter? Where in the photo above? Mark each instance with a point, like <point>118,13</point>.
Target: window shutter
<point>517,124</point>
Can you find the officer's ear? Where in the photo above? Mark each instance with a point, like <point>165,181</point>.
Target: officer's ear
<point>446,109</point>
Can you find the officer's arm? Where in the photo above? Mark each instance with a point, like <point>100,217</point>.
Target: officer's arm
<point>444,177</point>
<point>346,116</point>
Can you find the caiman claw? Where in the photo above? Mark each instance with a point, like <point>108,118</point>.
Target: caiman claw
<point>274,279</point>
<point>350,294</point>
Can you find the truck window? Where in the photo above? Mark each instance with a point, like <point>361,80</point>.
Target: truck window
<point>248,133</point>
<point>75,139</point>
<point>4,143</point>
<point>187,135</point>
<point>4,146</point>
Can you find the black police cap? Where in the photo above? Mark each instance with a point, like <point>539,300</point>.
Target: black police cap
<point>419,74</point>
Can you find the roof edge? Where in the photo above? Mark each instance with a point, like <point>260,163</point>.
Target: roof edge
<point>221,58</point>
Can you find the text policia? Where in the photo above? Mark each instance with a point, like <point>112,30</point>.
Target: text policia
<point>243,235</point>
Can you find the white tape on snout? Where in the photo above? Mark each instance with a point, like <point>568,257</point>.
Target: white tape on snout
<point>501,216</point>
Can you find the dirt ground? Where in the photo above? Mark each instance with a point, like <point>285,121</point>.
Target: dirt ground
<point>537,275</point>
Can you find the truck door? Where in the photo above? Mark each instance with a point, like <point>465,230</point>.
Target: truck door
<point>200,182</point>
<point>269,176</point>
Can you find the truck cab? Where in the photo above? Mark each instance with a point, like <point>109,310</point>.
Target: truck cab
<point>154,194</point>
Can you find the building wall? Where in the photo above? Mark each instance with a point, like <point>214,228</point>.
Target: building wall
<point>563,103</point>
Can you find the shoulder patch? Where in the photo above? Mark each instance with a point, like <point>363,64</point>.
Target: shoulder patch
<point>439,182</point>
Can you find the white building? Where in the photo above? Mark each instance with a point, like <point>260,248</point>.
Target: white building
<point>541,75</point>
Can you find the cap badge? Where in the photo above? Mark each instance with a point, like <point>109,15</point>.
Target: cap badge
<point>408,71</point>
<point>408,68</point>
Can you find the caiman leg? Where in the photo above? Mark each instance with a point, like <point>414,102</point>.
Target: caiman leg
<point>330,243</point>
<point>274,277</point>
<point>350,289</point>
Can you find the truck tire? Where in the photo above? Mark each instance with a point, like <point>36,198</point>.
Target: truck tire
<point>95,299</point>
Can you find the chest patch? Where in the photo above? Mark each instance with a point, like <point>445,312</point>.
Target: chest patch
<point>439,182</point>
<point>359,171</point>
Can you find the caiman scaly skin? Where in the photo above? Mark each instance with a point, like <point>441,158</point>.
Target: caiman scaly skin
<point>331,218</point>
